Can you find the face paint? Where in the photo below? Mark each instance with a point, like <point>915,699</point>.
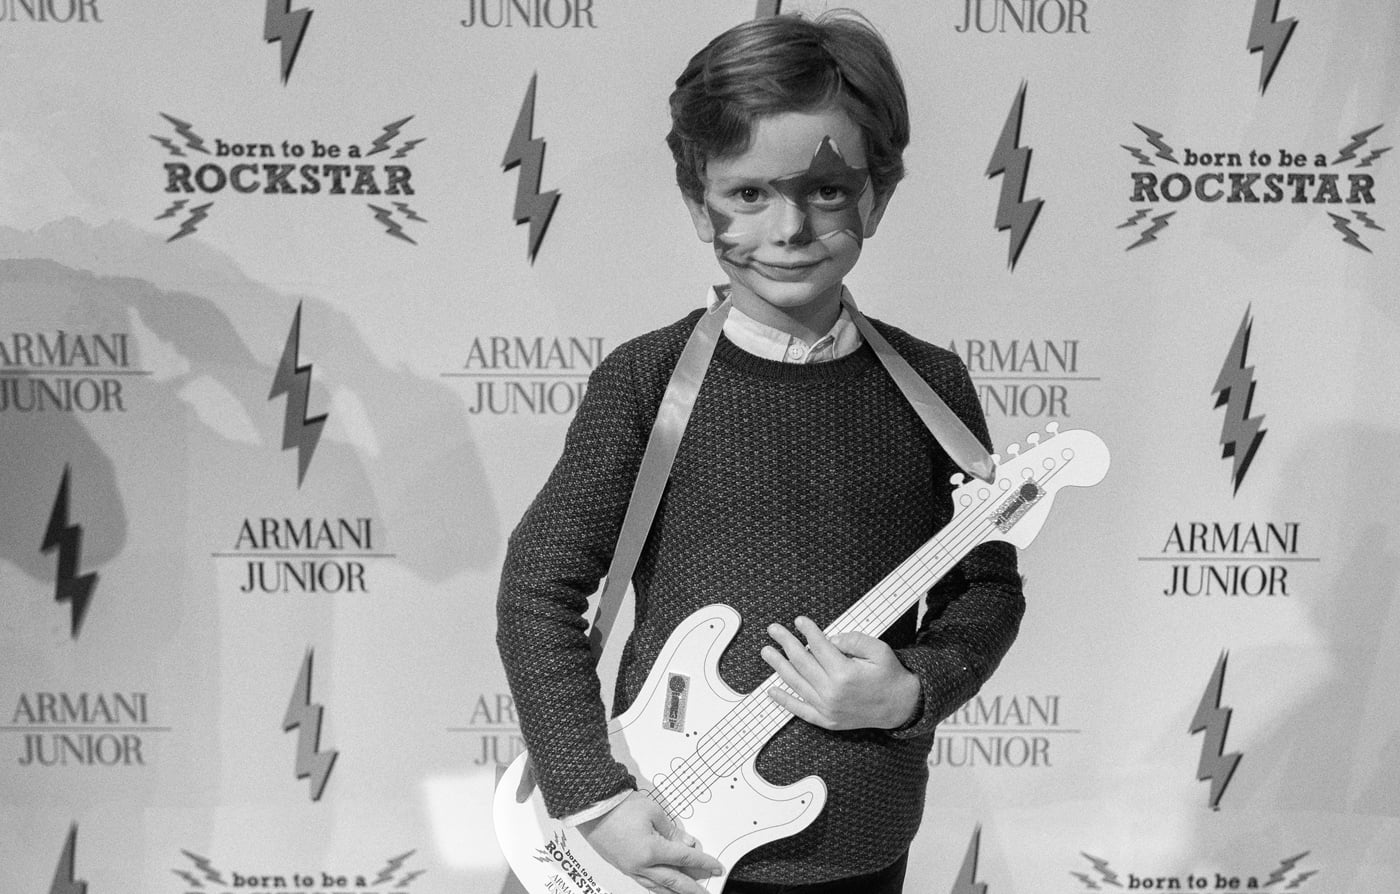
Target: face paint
<point>789,215</point>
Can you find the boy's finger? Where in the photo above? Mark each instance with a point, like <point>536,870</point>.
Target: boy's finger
<point>826,653</point>
<point>807,665</point>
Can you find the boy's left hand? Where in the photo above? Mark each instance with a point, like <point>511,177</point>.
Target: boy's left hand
<point>850,681</point>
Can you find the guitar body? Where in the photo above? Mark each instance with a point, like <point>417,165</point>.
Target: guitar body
<point>733,809</point>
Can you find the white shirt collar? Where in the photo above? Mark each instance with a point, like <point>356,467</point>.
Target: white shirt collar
<point>771,343</point>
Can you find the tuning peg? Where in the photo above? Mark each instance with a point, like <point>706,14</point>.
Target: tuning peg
<point>1034,438</point>
<point>1014,449</point>
<point>996,459</point>
<point>1053,428</point>
<point>958,479</point>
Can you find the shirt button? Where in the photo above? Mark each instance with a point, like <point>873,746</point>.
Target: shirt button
<point>795,352</point>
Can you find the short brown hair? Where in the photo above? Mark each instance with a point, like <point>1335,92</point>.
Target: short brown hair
<point>786,63</point>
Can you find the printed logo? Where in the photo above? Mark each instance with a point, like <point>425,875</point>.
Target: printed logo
<point>1012,731</point>
<point>1268,36</point>
<point>1101,874</point>
<point>65,372</point>
<point>305,556</point>
<point>293,379</point>
<point>527,152</point>
<point>1011,161</point>
<point>62,12</point>
<point>84,729</point>
<point>528,375</point>
<point>286,26</point>
<point>1240,434</point>
<point>1255,179</point>
<point>1023,377</point>
<point>1024,16</point>
<point>1214,721</point>
<point>280,168</point>
<point>556,851</point>
<point>1230,559</point>
<point>64,881</point>
<point>206,878</point>
<point>967,882</point>
<point>552,14</point>
<point>496,727</point>
<point>305,717</point>
<point>69,586</point>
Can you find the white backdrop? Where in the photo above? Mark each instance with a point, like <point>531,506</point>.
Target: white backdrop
<point>151,741</point>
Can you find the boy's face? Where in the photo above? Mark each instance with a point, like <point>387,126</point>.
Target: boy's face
<point>788,216</point>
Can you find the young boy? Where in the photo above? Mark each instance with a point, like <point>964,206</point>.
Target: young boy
<point>803,478</point>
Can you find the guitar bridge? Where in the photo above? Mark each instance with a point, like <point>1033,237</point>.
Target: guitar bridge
<point>677,689</point>
<point>1017,504</point>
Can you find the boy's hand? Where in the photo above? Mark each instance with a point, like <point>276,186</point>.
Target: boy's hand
<point>850,681</point>
<point>639,838</point>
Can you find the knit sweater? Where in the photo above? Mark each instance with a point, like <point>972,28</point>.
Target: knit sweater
<point>795,489</point>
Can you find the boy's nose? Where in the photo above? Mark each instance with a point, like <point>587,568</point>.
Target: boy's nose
<point>793,226</point>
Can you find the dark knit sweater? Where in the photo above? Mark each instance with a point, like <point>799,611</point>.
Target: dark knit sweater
<point>796,488</point>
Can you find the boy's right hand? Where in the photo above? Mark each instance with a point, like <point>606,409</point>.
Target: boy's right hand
<point>639,838</point>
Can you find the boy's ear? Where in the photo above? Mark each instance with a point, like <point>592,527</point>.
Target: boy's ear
<point>704,228</point>
<point>876,213</point>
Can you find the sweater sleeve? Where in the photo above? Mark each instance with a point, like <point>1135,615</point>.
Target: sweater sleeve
<point>974,611</point>
<point>554,560</point>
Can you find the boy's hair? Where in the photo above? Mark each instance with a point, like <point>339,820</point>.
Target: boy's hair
<point>784,63</point>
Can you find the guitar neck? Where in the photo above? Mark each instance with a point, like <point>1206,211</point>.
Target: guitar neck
<point>755,719</point>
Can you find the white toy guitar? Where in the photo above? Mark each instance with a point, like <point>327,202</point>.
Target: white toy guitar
<point>694,740</point>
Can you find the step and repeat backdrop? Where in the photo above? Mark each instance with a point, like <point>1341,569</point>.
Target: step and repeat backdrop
<point>297,300</point>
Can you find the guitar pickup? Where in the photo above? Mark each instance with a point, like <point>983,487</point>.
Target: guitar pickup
<point>677,691</point>
<point>1017,504</point>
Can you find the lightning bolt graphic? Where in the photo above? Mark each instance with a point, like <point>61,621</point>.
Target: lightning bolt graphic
<point>966,882</point>
<point>403,882</point>
<point>768,8</point>
<point>1302,877</point>
<point>1375,154</point>
<point>1137,216</point>
<point>1012,161</point>
<point>1269,36</point>
<point>170,147</point>
<point>1138,154</point>
<point>170,212</point>
<point>381,142</point>
<point>406,148</point>
<point>1348,152</point>
<point>204,866</point>
<point>1088,882</point>
<point>282,23</point>
<point>1366,219</point>
<point>63,880</point>
<point>68,540</point>
<point>391,867</point>
<point>528,152</point>
<point>1349,236</point>
<point>413,215</point>
<point>1155,138</point>
<point>1101,866</point>
<point>1285,866</point>
<point>191,880</point>
<point>1214,720</point>
<point>391,226</point>
<point>1240,435</point>
<point>197,215</point>
<point>305,717</point>
<point>1159,223</point>
<point>294,380</point>
<point>184,129</point>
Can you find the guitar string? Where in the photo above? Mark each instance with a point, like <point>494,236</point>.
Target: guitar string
<point>757,718</point>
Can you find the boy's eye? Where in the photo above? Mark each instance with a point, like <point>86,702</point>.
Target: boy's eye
<point>830,194</point>
<point>748,194</point>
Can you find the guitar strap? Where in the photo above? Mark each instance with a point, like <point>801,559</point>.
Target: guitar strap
<point>961,444</point>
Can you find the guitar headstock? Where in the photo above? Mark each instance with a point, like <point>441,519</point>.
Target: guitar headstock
<point>1017,500</point>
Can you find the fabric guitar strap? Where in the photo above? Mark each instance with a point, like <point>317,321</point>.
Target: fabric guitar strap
<point>674,413</point>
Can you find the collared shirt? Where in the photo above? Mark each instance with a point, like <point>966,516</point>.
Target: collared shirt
<point>772,343</point>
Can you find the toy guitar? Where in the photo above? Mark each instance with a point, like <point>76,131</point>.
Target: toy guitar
<point>695,740</point>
